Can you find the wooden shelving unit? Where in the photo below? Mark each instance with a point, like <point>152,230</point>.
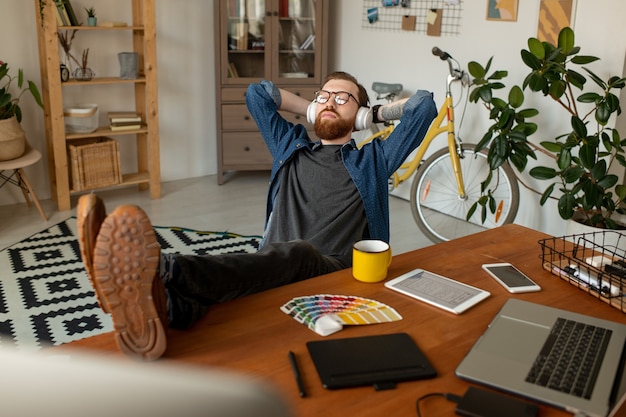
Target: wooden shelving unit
<point>142,28</point>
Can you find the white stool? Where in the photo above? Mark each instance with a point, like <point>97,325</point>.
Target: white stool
<point>18,176</point>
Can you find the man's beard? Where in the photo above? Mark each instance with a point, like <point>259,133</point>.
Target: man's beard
<point>330,129</point>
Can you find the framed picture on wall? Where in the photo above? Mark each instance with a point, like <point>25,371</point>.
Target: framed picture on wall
<point>554,15</point>
<point>502,10</point>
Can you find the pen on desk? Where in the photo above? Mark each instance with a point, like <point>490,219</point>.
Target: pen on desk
<point>296,373</point>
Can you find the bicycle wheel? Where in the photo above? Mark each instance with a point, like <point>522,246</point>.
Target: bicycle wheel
<point>439,211</point>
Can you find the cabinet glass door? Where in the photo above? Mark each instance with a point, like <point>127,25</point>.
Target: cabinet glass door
<point>246,37</point>
<point>296,31</point>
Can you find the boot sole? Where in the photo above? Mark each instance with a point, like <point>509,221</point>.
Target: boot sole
<point>126,259</point>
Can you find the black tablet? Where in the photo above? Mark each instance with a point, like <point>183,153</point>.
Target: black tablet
<point>381,361</point>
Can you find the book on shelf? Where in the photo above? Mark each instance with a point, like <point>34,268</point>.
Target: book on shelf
<point>123,117</point>
<point>65,19</point>
<point>129,123</point>
<point>70,13</point>
<point>295,8</point>
<point>58,16</point>
<point>241,35</point>
<point>283,8</point>
<point>232,70</point>
<point>116,128</point>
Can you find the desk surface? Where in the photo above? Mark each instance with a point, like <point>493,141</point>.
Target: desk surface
<point>251,335</point>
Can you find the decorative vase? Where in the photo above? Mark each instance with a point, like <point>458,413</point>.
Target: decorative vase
<point>12,139</point>
<point>129,65</point>
<point>83,74</point>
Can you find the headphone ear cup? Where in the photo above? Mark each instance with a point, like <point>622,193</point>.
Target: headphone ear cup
<point>363,118</point>
<point>310,112</point>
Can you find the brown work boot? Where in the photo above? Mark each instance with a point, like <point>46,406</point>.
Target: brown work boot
<point>126,260</point>
<point>90,213</point>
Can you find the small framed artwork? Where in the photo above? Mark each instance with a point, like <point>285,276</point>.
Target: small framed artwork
<point>554,15</point>
<point>502,10</point>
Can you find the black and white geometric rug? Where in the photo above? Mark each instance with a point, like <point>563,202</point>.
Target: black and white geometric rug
<point>45,294</point>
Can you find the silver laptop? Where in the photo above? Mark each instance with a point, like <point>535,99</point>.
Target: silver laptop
<point>523,352</point>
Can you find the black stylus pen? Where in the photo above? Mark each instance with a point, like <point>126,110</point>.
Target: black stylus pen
<point>296,373</point>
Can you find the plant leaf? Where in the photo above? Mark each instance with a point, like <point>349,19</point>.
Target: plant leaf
<point>471,211</point>
<point>566,206</point>
<point>608,181</point>
<point>476,70</point>
<point>566,40</point>
<point>546,194</point>
<point>543,173</point>
<point>552,146</point>
<point>599,170</point>
<point>579,127</point>
<point>516,97</point>
<point>587,155</point>
<point>536,48</point>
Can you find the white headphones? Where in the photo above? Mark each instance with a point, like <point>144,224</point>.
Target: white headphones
<point>363,117</point>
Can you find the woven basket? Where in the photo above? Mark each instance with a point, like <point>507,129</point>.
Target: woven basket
<point>12,139</point>
<point>95,163</point>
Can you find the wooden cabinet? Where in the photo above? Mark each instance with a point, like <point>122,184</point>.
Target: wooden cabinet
<point>279,40</point>
<point>141,96</point>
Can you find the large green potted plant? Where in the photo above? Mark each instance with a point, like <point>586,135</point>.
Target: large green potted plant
<point>580,177</point>
<point>12,137</point>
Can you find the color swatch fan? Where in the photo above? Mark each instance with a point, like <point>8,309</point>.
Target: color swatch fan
<point>326,314</point>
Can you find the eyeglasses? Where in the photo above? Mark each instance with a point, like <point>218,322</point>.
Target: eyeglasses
<point>341,97</point>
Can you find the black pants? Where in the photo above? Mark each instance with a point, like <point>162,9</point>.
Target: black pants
<point>211,279</point>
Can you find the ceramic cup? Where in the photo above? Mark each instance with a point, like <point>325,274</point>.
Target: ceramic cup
<point>370,260</point>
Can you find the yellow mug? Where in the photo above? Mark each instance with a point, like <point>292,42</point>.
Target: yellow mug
<point>370,260</point>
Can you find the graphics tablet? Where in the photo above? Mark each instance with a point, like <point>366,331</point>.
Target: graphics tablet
<point>436,290</point>
<point>381,361</point>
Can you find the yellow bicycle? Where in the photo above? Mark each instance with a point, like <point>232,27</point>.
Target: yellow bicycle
<point>449,182</point>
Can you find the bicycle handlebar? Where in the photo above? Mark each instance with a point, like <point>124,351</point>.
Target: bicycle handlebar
<point>441,54</point>
<point>456,73</point>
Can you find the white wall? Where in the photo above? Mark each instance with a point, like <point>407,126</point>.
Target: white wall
<point>185,52</point>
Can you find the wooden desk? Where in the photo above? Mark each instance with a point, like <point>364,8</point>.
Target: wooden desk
<point>253,336</point>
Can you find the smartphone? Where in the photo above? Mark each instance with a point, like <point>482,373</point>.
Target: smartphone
<point>511,278</point>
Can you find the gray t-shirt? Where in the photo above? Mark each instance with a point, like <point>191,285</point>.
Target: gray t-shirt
<point>318,202</point>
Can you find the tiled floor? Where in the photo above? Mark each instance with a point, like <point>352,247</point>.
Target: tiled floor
<point>199,203</point>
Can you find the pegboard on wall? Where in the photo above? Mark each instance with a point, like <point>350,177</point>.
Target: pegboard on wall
<point>431,17</point>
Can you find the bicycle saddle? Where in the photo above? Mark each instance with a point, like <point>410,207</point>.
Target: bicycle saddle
<point>384,88</point>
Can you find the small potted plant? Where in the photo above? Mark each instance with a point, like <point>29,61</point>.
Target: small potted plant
<point>83,72</point>
<point>92,20</point>
<point>581,178</point>
<point>12,137</point>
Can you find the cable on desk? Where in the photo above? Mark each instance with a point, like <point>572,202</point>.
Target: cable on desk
<point>448,396</point>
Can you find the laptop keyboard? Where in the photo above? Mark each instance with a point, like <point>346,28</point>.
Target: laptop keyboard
<point>570,358</point>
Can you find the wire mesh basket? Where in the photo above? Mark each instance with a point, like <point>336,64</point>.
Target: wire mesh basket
<point>594,262</point>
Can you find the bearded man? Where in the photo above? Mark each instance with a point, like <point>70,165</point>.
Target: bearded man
<point>324,195</point>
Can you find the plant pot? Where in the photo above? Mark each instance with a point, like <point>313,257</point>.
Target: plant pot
<point>12,139</point>
<point>129,65</point>
<point>83,74</point>
<point>92,21</point>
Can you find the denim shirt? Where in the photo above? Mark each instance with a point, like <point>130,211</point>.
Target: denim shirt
<point>370,166</point>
